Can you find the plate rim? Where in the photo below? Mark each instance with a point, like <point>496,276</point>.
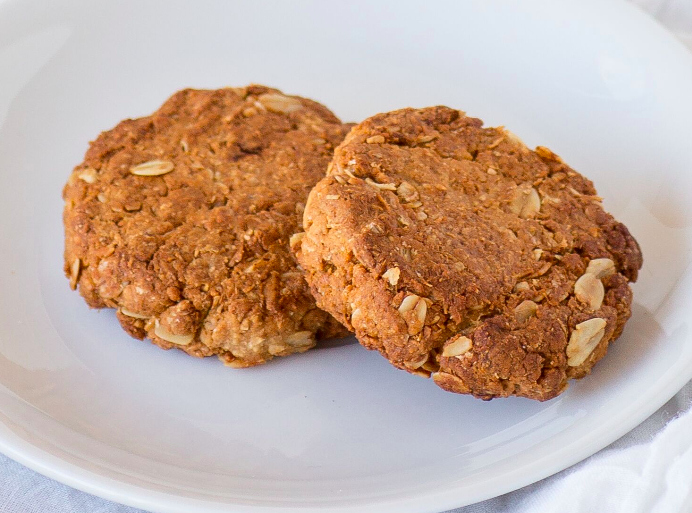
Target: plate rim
<point>119,492</point>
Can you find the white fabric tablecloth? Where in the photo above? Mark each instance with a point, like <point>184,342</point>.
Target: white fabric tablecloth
<point>649,470</point>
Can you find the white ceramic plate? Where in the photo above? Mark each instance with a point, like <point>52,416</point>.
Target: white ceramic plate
<point>336,429</point>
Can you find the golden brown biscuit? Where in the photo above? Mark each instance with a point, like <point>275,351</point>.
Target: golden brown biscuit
<point>457,252</point>
<point>181,220</point>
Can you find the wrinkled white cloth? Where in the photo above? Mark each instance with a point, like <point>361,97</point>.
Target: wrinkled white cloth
<point>649,470</point>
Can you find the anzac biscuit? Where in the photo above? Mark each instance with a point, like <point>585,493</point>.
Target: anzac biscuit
<point>459,253</point>
<point>181,221</point>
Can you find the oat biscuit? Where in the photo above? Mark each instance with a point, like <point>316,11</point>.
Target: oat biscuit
<point>181,220</point>
<point>460,254</point>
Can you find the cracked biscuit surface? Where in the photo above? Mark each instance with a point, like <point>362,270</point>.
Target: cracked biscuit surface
<point>181,221</point>
<point>458,253</point>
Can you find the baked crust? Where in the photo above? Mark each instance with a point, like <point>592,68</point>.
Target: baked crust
<point>457,252</point>
<point>181,220</point>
